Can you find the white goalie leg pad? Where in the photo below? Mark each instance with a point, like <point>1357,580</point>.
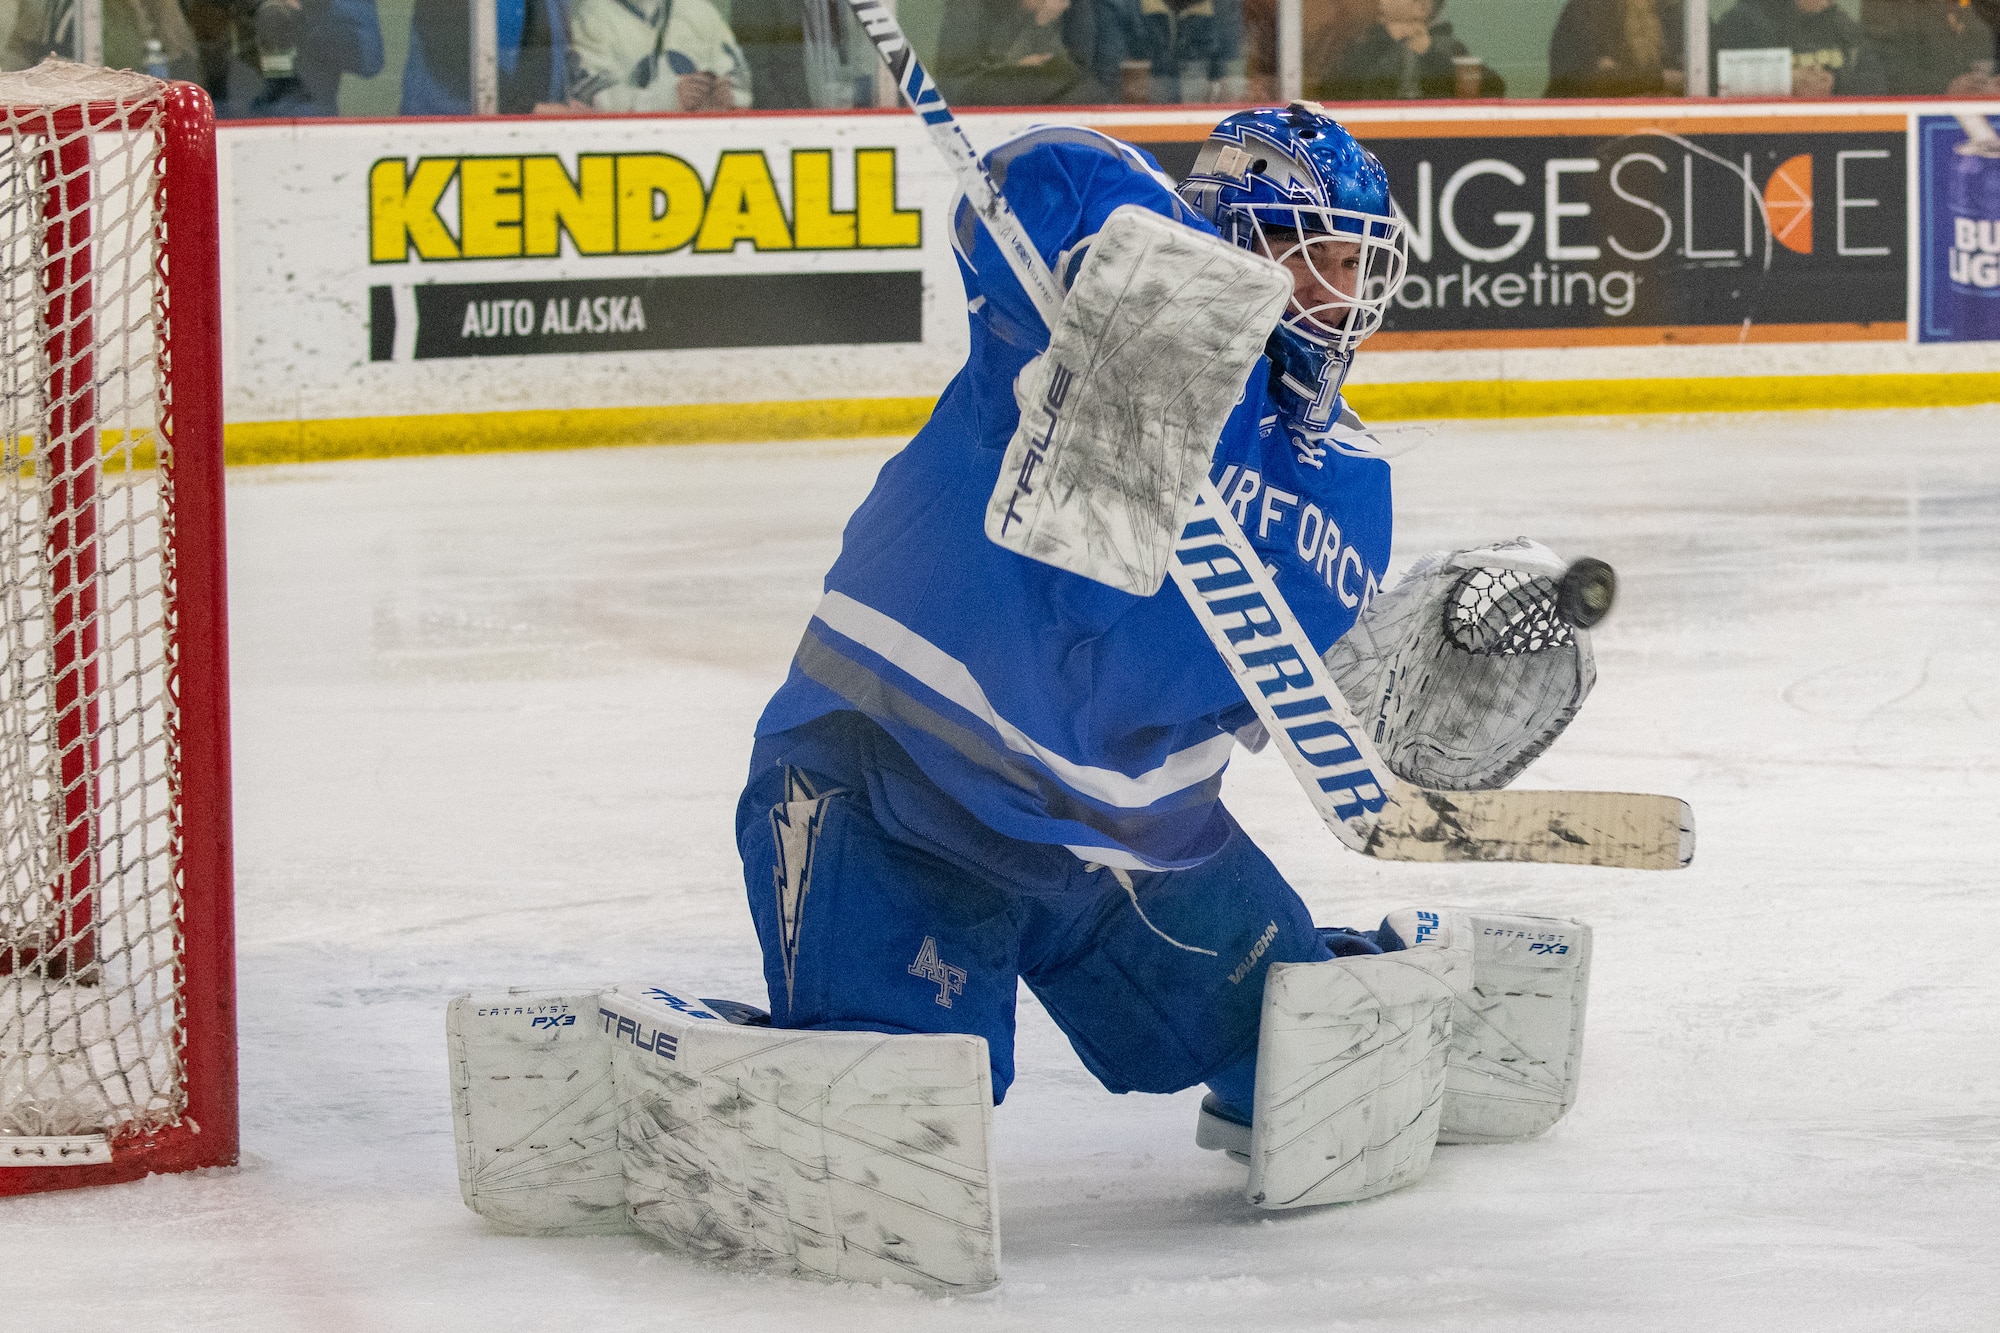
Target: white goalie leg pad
<point>1517,1023</point>
<point>1119,418</point>
<point>848,1156</point>
<point>534,1112</point>
<point>1350,1076</point>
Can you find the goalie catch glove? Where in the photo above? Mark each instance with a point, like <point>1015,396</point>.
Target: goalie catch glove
<point>1465,672</point>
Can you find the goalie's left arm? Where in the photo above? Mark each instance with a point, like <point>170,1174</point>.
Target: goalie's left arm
<point>1472,665</point>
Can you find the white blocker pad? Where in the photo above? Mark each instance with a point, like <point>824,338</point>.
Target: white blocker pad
<point>1463,673</point>
<point>1517,1025</point>
<point>1119,418</point>
<point>534,1112</point>
<point>848,1156</point>
<point>1350,1076</point>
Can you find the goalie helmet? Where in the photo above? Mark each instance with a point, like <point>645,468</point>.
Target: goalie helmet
<point>1294,182</point>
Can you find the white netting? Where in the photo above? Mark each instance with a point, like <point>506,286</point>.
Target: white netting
<point>1504,611</point>
<point>89,933</point>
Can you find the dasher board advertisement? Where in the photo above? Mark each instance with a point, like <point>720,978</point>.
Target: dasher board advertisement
<point>413,268</point>
<point>1603,225</point>
<point>1959,263</point>
<point>1650,233</point>
<point>420,268</point>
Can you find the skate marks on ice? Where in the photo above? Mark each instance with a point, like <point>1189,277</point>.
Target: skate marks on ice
<point>1828,1169</point>
<point>1905,707</point>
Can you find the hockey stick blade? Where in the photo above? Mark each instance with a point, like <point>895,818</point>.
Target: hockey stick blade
<point>1259,639</point>
<point>1625,830</point>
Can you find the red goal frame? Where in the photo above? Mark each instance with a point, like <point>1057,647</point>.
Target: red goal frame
<point>189,317</point>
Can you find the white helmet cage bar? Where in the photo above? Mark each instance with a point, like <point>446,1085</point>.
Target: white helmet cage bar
<point>1349,303</point>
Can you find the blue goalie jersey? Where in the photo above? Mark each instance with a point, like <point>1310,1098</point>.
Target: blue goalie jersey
<point>1051,708</point>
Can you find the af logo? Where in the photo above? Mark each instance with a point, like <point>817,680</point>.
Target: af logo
<point>949,980</point>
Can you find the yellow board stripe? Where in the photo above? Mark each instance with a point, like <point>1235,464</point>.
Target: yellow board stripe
<point>848,418</point>
<point>497,432</point>
<point>1763,393</point>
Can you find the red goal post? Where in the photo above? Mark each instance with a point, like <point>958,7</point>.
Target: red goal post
<point>117,943</point>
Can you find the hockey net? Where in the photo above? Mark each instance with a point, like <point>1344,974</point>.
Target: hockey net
<point>107,912</point>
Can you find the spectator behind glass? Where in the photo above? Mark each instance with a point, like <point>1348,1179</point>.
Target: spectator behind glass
<point>657,55</point>
<point>37,28</point>
<point>1617,48</point>
<point>1193,48</point>
<point>302,47</point>
<point>797,52</point>
<point>1326,28</point>
<point>1830,54</point>
<point>1406,52</point>
<point>772,35</point>
<point>1014,53</point>
<point>535,57</point>
<point>215,46</point>
<point>1932,47</point>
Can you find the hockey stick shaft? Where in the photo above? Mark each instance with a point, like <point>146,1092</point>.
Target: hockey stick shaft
<point>948,137</point>
<point>1259,639</point>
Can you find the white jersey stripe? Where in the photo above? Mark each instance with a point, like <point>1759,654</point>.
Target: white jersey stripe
<point>946,675</point>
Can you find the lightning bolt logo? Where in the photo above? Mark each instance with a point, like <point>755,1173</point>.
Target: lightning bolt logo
<point>795,828</point>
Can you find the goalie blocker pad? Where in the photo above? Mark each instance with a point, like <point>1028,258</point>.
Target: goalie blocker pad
<point>1119,418</point>
<point>849,1156</point>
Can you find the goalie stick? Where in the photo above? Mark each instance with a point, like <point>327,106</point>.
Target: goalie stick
<point>1261,642</point>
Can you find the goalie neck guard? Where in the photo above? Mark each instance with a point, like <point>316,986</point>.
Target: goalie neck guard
<point>1294,185</point>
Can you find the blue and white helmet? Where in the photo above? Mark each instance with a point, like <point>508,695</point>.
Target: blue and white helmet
<point>1294,183</point>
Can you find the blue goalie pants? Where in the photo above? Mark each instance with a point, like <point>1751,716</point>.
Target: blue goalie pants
<point>881,905</point>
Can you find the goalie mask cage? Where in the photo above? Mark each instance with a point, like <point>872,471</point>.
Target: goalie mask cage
<point>117,986</point>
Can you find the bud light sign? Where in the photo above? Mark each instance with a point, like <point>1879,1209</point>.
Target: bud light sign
<point>1961,229</point>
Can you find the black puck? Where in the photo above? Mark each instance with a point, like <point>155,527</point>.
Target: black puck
<point>1587,590</point>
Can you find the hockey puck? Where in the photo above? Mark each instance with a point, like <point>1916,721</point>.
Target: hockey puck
<point>1587,590</point>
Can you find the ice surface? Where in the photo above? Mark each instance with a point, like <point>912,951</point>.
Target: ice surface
<point>491,717</point>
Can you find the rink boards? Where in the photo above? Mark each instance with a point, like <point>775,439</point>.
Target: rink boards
<point>418,286</point>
